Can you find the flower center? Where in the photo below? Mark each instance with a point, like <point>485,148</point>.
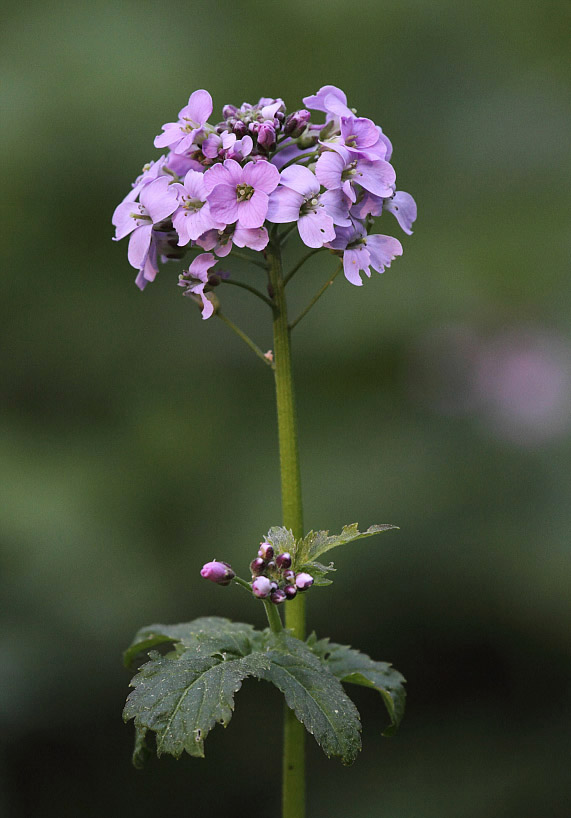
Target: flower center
<point>192,204</point>
<point>349,171</point>
<point>244,192</point>
<point>310,206</point>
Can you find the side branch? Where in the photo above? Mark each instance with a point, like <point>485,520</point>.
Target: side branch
<point>316,297</point>
<point>247,340</point>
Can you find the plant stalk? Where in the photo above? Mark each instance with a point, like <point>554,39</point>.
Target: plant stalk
<point>293,791</point>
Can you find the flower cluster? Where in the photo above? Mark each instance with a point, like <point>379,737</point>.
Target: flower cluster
<point>272,576</point>
<point>222,185</point>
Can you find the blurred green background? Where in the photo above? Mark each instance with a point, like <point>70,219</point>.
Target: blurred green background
<point>137,441</point>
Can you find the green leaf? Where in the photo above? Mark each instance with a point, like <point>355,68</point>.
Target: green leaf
<point>316,543</point>
<point>318,571</point>
<point>190,634</point>
<point>281,539</point>
<point>316,697</point>
<point>181,699</point>
<point>353,667</point>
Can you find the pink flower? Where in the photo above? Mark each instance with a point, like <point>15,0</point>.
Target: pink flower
<point>237,194</point>
<point>180,136</point>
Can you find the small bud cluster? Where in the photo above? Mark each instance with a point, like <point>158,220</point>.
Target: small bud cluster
<point>272,576</point>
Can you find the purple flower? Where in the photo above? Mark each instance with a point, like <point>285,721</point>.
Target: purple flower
<point>164,244</point>
<point>363,251</point>
<point>150,172</point>
<point>180,136</point>
<point>341,169</point>
<point>403,208</point>
<point>330,100</point>
<point>278,596</point>
<point>261,587</point>
<point>193,217</point>
<point>181,163</point>
<point>221,241</point>
<point>157,201</point>
<point>219,572</point>
<point>237,194</point>
<point>297,199</point>
<point>195,280</point>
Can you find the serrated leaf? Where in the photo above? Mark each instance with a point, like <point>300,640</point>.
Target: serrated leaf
<point>181,699</point>
<point>316,543</point>
<point>190,634</point>
<point>318,572</point>
<point>281,539</point>
<point>353,667</point>
<point>316,697</point>
<point>140,752</point>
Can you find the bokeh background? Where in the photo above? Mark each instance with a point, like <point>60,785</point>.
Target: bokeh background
<point>137,441</point>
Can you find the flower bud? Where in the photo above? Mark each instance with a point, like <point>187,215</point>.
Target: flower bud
<point>303,581</point>
<point>229,110</point>
<point>289,576</point>
<point>290,591</point>
<point>240,129</point>
<point>219,572</point>
<point>308,140</point>
<point>261,587</point>
<point>283,561</point>
<point>257,566</point>
<point>254,127</point>
<point>266,136</point>
<point>266,551</point>
<point>273,585</point>
<point>278,597</point>
<point>271,566</point>
<point>295,124</point>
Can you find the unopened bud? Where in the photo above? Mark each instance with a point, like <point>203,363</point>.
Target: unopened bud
<point>266,136</point>
<point>261,587</point>
<point>296,123</point>
<point>283,561</point>
<point>228,111</point>
<point>273,586</point>
<point>290,591</point>
<point>219,572</point>
<point>271,566</point>
<point>289,576</point>
<point>266,551</point>
<point>308,140</point>
<point>240,129</point>
<point>303,581</point>
<point>278,597</point>
<point>257,566</point>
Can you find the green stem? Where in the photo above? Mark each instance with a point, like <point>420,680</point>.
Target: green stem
<point>248,287</point>
<point>273,617</point>
<point>247,340</point>
<point>316,297</point>
<point>250,259</point>
<point>293,792</point>
<point>300,263</point>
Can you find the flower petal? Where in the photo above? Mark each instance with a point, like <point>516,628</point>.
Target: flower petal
<point>252,212</point>
<point>224,204</point>
<point>255,238</point>
<point>382,250</point>
<point>284,206</point>
<point>159,198</point>
<point>199,107</point>
<point>300,179</point>
<point>139,245</point>
<point>403,208</point>
<point>329,168</point>
<point>337,206</point>
<point>316,228</point>
<point>377,177</point>
<point>354,261</point>
<point>261,175</point>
